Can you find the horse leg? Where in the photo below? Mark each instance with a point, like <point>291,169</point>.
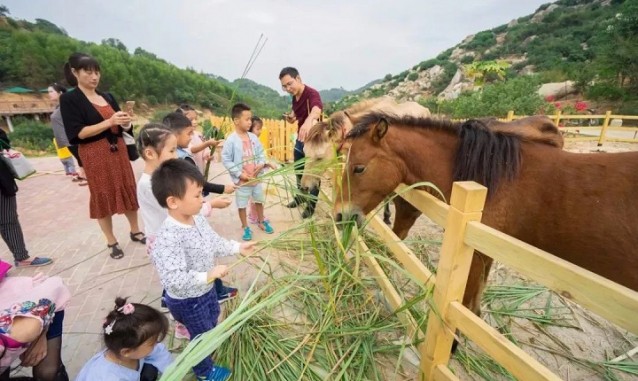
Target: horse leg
<point>477,279</point>
<point>387,213</point>
<point>406,216</point>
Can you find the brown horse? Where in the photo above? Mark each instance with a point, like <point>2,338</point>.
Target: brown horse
<point>580,207</point>
<point>328,138</point>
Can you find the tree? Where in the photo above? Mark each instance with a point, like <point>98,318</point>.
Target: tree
<point>482,72</point>
<point>4,11</point>
<point>114,43</point>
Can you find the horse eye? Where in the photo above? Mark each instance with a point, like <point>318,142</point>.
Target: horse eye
<point>358,169</point>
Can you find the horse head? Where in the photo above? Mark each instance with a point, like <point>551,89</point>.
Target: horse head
<point>323,142</point>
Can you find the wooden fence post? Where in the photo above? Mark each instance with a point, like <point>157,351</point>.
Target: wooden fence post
<point>603,131</point>
<point>510,116</point>
<point>557,118</point>
<point>466,204</point>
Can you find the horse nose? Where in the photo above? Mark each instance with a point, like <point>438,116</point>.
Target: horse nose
<point>339,217</point>
<point>304,189</point>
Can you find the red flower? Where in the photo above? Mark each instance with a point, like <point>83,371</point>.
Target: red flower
<point>581,106</point>
<point>557,105</point>
<point>550,98</point>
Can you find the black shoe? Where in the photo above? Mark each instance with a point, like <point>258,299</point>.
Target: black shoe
<point>308,212</point>
<point>226,295</point>
<point>296,202</point>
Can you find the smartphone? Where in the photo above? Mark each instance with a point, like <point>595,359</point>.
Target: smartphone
<point>129,107</point>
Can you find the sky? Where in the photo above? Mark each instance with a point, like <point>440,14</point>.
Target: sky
<point>332,43</point>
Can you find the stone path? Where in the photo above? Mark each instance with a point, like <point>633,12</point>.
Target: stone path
<point>54,215</point>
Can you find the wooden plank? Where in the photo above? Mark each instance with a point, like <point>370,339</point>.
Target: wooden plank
<point>401,252</point>
<point>443,373</point>
<point>429,205</point>
<point>467,201</point>
<point>621,140</point>
<point>603,132</point>
<point>390,293</point>
<point>610,300</point>
<point>582,139</point>
<point>515,360</point>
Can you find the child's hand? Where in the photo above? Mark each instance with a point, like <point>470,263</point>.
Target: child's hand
<point>217,272</point>
<point>212,142</point>
<point>247,248</point>
<point>230,188</point>
<point>220,202</point>
<point>271,166</point>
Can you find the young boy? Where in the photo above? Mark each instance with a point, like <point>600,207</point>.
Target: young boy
<point>184,255</point>
<point>243,156</point>
<point>183,130</point>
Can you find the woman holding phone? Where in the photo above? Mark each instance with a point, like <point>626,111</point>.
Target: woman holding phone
<point>93,121</point>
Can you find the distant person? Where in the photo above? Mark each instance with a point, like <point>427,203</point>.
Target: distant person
<point>243,157</point>
<point>93,120</point>
<point>10,228</point>
<point>306,110</point>
<point>60,140</point>
<point>132,335</point>
<point>185,255</point>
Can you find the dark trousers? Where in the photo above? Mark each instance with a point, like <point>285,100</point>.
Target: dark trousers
<point>10,228</point>
<point>199,315</point>
<point>298,155</point>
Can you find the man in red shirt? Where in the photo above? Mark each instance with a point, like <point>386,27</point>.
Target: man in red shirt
<point>306,109</point>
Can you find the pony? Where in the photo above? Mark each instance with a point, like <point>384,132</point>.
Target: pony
<point>327,139</point>
<point>580,207</point>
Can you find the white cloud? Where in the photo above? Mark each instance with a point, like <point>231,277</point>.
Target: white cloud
<point>332,43</point>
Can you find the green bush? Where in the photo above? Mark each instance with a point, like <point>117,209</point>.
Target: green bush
<point>413,76</point>
<point>32,135</point>
<point>482,40</point>
<point>466,59</point>
<point>606,91</point>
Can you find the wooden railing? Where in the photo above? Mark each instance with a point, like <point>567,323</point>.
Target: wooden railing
<point>11,108</point>
<point>464,233</point>
<point>277,136</point>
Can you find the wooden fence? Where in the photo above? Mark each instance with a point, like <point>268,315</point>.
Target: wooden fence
<point>464,233</point>
<point>600,128</point>
<point>277,136</point>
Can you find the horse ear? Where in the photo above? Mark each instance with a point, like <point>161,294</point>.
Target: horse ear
<point>379,130</point>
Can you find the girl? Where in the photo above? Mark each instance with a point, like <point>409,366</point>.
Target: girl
<point>93,120</point>
<point>132,336</point>
<point>256,127</point>
<point>156,143</point>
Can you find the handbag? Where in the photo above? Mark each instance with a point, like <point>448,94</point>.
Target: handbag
<point>19,166</point>
<point>131,147</point>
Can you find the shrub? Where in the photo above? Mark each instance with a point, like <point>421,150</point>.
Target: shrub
<point>413,76</point>
<point>32,135</point>
<point>606,91</point>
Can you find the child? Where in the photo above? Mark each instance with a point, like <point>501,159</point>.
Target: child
<point>198,147</point>
<point>132,336</point>
<point>184,254</point>
<point>243,156</point>
<point>156,144</point>
<point>183,129</point>
<point>255,127</point>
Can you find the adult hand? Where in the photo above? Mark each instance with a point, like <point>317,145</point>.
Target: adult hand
<point>120,118</point>
<point>36,352</point>
<point>247,248</point>
<point>218,271</point>
<point>303,131</point>
<point>220,202</point>
<point>289,118</point>
<point>230,188</point>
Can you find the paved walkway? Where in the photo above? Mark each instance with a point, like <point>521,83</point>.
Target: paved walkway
<point>54,215</point>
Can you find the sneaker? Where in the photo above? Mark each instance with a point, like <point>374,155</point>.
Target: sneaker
<point>181,332</point>
<point>35,262</point>
<point>228,294</point>
<point>218,373</point>
<point>248,234</point>
<point>265,226</point>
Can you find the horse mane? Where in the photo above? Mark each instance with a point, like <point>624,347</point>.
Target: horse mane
<point>484,155</point>
<point>335,122</point>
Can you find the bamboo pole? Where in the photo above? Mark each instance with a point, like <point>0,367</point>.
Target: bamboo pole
<point>601,140</point>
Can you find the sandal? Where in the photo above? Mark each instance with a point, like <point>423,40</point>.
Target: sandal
<point>116,252</point>
<point>135,237</point>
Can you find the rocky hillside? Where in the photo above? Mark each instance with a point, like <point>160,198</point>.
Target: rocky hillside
<point>561,41</point>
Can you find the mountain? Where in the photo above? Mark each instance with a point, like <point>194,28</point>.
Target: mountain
<point>589,42</point>
<point>264,95</point>
<point>33,54</point>
<point>332,95</point>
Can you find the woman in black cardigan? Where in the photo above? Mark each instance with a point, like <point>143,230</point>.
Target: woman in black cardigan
<point>94,122</point>
<point>10,228</point>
